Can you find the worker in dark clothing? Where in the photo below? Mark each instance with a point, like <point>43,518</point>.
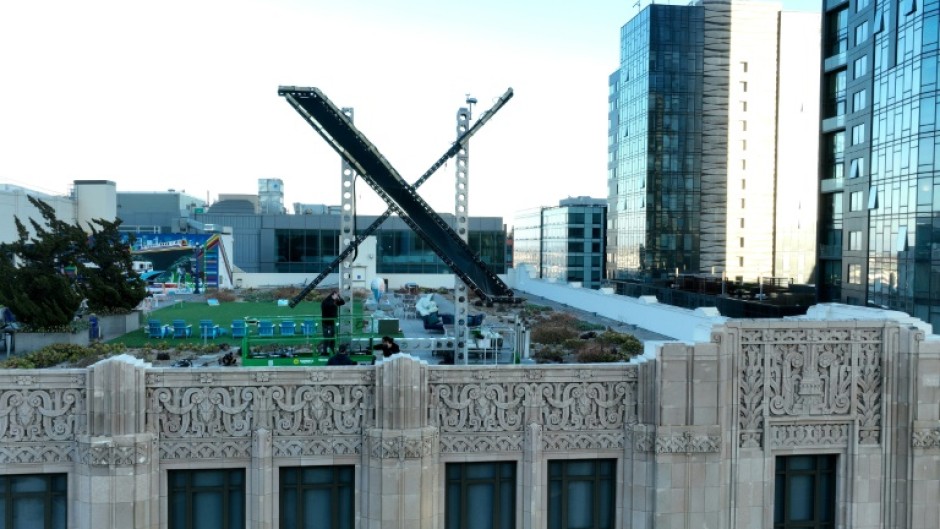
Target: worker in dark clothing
<point>341,358</point>
<point>329,310</point>
<point>388,346</point>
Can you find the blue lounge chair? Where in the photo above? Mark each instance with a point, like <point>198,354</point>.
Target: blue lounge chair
<point>155,329</point>
<point>239,328</point>
<point>308,327</point>
<point>288,328</point>
<point>181,329</point>
<point>265,328</point>
<point>209,330</point>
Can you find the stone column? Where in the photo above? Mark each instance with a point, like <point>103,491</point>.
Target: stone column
<point>261,481</point>
<point>117,468</point>
<point>534,487</point>
<point>401,454</point>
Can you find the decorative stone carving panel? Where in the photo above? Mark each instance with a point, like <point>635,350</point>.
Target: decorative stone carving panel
<point>789,373</point>
<point>482,443</point>
<point>821,434</point>
<point>565,441</point>
<point>219,448</point>
<point>751,400</point>
<point>643,441</point>
<point>29,413</point>
<point>479,407</point>
<point>207,411</point>
<point>235,406</point>
<point>317,446</point>
<point>926,438</point>
<point>322,409</point>
<point>402,447</point>
<point>38,453</point>
<point>585,405</point>
<point>114,455</point>
<point>687,443</point>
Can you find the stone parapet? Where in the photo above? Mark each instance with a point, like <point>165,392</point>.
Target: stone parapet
<point>695,429</point>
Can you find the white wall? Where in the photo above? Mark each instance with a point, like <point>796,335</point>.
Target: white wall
<point>675,322</point>
<point>13,201</point>
<point>95,199</point>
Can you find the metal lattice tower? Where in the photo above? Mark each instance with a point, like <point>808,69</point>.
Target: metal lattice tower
<point>347,231</point>
<point>461,292</point>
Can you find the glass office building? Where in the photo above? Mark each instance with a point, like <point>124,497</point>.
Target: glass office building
<point>655,144</point>
<point>713,120</point>
<point>880,200</point>
<point>564,242</point>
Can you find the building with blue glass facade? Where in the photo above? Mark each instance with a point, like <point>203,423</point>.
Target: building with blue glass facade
<point>879,203</point>
<point>713,115</point>
<point>563,242</point>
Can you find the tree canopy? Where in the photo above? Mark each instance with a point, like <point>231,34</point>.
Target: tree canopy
<point>47,275</point>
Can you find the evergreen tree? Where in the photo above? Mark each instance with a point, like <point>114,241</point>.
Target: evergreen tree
<point>109,281</point>
<point>35,285</point>
<point>46,276</point>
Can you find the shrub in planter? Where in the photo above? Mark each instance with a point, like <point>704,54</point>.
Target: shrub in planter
<point>547,355</point>
<point>225,295</point>
<point>54,355</point>
<point>598,352</point>
<point>625,343</point>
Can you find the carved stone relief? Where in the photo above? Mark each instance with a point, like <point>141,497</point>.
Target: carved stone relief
<point>565,441</point>
<point>219,448</point>
<point>205,412</point>
<point>402,447</point>
<point>687,443</point>
<point>481,443</point>
<point>479,407</point>
<point>41,414</point>
<point>810,373</point>
<point>926,438</point>
<point>586,405</point>
<point>112,455</point>
<point>317,446</point>
<point>37,453</point>
<point>824,434</point>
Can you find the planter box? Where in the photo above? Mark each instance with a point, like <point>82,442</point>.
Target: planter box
<point>27,342</point>
<point>115,325</point>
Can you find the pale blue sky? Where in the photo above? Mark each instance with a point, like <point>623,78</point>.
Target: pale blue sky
<point>182,94</point>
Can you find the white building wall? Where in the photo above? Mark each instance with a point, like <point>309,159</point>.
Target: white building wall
<point>95,199</point>
<point>752,113</point>
<point>13,203</point>
<point>797,147</point>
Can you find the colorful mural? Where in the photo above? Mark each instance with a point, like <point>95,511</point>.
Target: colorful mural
<point>178,259</point>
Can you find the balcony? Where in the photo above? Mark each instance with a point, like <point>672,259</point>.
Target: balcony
<point>830,251</point>
<point>834,62</point>
<point>834,123</point>
<point>831,185</point>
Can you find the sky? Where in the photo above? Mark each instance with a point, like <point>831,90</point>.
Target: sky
<point>182,94</point>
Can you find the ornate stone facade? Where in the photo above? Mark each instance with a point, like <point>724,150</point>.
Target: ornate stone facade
<point>716,414</point>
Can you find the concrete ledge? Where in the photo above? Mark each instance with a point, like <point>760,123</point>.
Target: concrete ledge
<point>27,342</point>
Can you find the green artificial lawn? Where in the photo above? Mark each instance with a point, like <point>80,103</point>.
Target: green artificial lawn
<point>221,315</point>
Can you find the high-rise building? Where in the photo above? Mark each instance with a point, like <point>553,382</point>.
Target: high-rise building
<point>879,199</point>
<point>563,242</point>
<point>713,115</point>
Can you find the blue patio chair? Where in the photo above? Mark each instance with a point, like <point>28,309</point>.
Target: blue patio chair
<point>288,328</point>
<point>181,329</point>
<point>239,329</point>
<point>265,328</point>
<point>155,329</point>
<point>209,330</point>
<point>308,327</point>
